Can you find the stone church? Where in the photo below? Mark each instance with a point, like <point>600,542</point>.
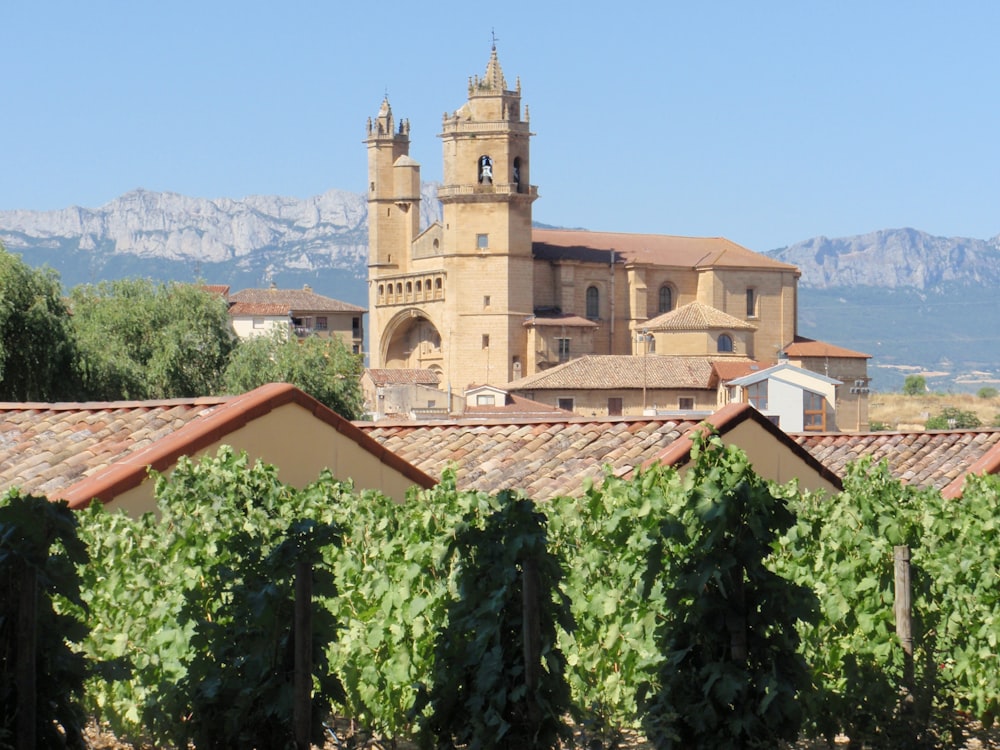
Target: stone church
<point>483,297</point>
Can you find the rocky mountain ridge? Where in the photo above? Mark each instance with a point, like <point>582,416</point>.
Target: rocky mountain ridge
<point>915,301</point>
<point>896,259</point>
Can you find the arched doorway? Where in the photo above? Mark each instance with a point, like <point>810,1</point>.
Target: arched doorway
<point>413,342</point>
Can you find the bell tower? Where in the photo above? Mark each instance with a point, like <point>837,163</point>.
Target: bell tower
<point>486,199</point>
<point>393,212</point>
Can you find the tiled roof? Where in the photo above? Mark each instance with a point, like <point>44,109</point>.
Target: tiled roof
<point>221,289</point>
<point>296,300</point>
<point>696,316</point>
<point>402,376</point>
<point>664,250</point>
<point>265,309</point>
<point>565,320</point>
<point>545,459</point>
<point>803,347</point>
<point>556,457</point>
<point>45,448</point>
<point>727,369</point>
<point>936,458</point>
<point>85,450</point>
<point>624,371</point>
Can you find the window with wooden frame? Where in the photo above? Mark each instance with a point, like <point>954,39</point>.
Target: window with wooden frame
<point>813,412</point>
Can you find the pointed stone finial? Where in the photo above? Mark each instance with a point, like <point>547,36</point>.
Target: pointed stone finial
<point>494,74</point>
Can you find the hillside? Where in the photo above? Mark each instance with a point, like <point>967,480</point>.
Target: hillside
<point>917,303</point>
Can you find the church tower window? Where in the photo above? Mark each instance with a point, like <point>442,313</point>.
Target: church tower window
<point>724,343</point>
<point>516,174</point>
<point>593,303</point>
<point>485,169</point>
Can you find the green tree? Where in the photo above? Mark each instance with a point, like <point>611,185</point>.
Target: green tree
<point>36,341</point>
<point>987,391</point>
<point>953,418</point>
<point>140,340</point>
<point>914,385</point>
<point>322,367</point>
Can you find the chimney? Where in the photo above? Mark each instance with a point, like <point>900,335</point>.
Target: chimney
<point>306,288</point>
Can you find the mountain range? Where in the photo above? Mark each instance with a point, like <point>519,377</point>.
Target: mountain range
<point>917,303</point>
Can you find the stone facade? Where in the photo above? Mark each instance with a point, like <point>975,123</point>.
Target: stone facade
<point>482,297</point>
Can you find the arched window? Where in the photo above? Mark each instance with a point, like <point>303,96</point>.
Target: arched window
<point>419,286</point>
<point>593,303</point>
<point>485,169</point>
<point>516,174</point>
<point>725,343</point>
<point>409,287</point>
<point>399,289</point>
<point>751,302</point>
<point>666,301</point>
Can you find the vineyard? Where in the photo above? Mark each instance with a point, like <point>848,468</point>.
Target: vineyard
<point>705,609</point>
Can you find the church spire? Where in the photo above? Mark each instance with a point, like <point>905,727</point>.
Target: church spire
<point>494,74</point>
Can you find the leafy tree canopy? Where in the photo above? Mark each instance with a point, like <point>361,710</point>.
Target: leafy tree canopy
<point>142,340</point>
<point>953,418</point>
<point>322,367</point>
<point>36,343</point>
<point>914,385</point>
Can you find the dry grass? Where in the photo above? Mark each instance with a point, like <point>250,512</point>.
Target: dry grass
<point>901,412</point>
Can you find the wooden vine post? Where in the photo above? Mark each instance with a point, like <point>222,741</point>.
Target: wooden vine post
<point>26,662</point>
<point>532,633</point>
<point>302,689</point>
<point>903,613</point>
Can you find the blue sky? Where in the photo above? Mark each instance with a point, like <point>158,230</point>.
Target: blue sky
<point>766,122</point>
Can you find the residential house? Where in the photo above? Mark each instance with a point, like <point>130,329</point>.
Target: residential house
<point>561,455</point>
<point>81,452</point>
<point>623,385</point>
<point>298,312</point>
<point>792,398</point>
<point>847,366</point>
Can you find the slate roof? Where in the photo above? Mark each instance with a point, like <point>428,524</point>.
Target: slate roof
<point>274,301</point>
<point>626,371</point>
<point>660,249</point>
<point>77,451</point>
<point>939,459</point>
<point>556,457</point>
<point>696,316</point>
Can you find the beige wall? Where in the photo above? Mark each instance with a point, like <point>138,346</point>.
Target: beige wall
<point>595,403</point>
<point>773,460</point>
<point>301,446</point>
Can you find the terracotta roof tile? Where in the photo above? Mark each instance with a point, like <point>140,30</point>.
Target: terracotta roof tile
<point>559,321</point>
<point>627,371</point>
<point>297,300</point>
<point>544,459</point>
<point>939,459</point>
<point>86,450</point>
<point>555,457</point>
<point>696,316</point>
<point>660,249</point>
<point>803,347</point>
<point>402,376</point>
